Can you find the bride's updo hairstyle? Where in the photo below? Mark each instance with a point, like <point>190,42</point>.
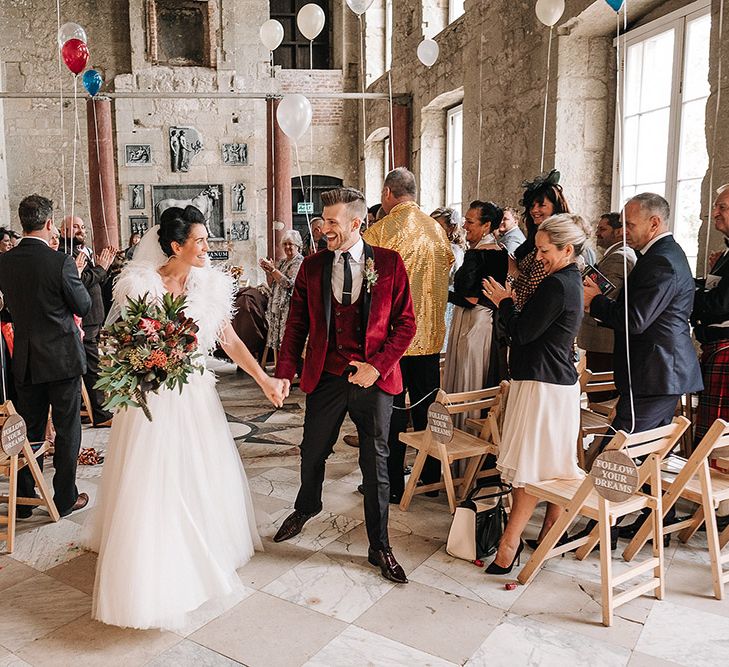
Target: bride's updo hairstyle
<point>567,229</point>
<point>175,225</point>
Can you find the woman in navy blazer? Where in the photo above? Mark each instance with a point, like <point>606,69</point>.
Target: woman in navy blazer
<point>542,417</point>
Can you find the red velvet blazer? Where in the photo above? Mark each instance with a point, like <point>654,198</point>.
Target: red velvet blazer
<point>387,317</point>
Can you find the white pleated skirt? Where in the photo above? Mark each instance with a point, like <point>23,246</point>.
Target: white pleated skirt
<point>539,439</point>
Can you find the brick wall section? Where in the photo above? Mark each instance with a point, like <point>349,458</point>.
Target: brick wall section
<point>324,111</point>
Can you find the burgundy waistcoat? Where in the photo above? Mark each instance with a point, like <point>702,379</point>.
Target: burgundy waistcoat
<point>346,338</point>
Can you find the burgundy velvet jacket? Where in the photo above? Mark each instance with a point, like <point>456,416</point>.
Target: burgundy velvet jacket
<point>387,318</point>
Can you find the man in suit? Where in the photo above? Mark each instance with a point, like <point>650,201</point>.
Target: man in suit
<point>711,326</point>
<point>353,302</point>
<point>94,275</point>
<point>596,340</point>
<point>662,363</point>
<point>426,251</point>
<point>43,292</point>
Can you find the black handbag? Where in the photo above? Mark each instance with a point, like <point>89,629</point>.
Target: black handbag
<point>479,523</point>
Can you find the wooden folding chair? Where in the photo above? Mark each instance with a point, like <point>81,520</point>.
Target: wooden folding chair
<point>462,447</point>
<point>596,416</point>
<point>579,498</point>
<point>696,481</point>
<point>15,454</point>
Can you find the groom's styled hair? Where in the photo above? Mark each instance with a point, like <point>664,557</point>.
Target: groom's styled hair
<point>352,197</point>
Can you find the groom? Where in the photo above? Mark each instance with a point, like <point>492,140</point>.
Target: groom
<point>353,302</point>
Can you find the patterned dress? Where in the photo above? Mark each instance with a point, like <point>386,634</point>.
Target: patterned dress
<point>278,304</point>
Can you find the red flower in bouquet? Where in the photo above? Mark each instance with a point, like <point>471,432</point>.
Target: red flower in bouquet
<point>153,346</point>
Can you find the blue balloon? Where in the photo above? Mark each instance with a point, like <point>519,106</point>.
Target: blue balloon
<point>615,4</point>
<point>92,81</point>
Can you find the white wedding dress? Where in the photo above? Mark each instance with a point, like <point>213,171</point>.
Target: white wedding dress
<point>174,517</point>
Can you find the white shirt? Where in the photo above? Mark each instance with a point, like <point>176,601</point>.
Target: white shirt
<point>648,245</point>
<point>356,264</point>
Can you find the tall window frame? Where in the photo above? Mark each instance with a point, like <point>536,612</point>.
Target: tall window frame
<point>454,158</point>
<point>673,127</point>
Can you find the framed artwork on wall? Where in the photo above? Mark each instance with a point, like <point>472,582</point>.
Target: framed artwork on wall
<point>137,197</point>
<point>138,224</point>
<point>208,199</point>
<point>138,155</point>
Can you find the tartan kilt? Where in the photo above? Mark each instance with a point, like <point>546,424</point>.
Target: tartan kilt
<point>714,400</point>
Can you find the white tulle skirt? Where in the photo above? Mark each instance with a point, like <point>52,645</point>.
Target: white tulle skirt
<point>539,439</point>
<point>174,517</point>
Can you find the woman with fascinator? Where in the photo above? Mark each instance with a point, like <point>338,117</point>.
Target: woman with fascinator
<point>175,519</point>
<point>543,197</point>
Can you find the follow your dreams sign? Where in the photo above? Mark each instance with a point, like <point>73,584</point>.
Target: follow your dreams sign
<point>615,476</point>
<point>440,422</point>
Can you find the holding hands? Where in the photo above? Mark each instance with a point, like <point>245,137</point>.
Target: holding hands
<point>496,292</point>
<point>276,390</point>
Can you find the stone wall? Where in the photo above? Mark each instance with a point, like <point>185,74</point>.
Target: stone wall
<point>29,59</point>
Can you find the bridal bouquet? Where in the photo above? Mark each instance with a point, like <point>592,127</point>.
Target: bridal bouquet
<point>154,345</point>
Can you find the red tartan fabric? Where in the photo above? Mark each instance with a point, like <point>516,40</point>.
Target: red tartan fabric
<point>714,400</point>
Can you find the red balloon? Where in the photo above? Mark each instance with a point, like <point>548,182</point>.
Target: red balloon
<point>75,54</point>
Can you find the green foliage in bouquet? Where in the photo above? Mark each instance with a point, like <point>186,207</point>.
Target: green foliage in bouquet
<point>154,345</point>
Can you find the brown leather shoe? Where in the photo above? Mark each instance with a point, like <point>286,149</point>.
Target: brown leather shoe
<point>292,525</point>
<point>351,440</point>
<point>106,424</point>
<point>389,567</point>
<point>81,502</point>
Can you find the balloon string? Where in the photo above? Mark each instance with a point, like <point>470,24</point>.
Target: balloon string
<point>303,190</point>
<point>75,148</point>
<point>362,79</point>
<point>98,171</point>
<point>273,167</point>
<point>546,97</point>
<point>392,124</point>
<point>311,129</point>
<point>713,138</point>
<point>85,173</point>
<point>620,79</point>
<point>60,96</point>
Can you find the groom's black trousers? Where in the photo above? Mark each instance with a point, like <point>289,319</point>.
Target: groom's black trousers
<point>370,410</point>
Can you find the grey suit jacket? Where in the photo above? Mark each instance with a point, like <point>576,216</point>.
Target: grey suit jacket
<point>593,337</point>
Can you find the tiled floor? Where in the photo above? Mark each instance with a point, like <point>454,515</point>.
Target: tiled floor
<point>316,601</point>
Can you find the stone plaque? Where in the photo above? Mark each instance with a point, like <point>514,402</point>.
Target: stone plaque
<point>615,476</point>
<point>13,435</point>
<point>440,422</point>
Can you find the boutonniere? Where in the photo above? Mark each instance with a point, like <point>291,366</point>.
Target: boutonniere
<point>370,274</point>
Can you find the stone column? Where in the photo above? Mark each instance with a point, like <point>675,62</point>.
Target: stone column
<point>102,174</point>
<point>401,133</point>
<point>282,183</point>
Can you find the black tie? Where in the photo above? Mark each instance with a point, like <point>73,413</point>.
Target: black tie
<point>347,288</point>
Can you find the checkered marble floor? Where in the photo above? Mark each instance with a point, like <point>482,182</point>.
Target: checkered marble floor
<point>316,601</point>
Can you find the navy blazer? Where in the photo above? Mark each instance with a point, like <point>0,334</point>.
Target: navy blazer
<point>43,291</point>
<point>660,299</point>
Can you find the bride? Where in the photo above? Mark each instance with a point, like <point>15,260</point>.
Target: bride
<point>174,517</point>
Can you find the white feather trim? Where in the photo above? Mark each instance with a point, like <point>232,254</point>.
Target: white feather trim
<point>210,295</point>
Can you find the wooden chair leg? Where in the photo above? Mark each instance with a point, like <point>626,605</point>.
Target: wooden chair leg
<point>448,478</point>
<point>712,532</point>
<point>687,533</point>
<point>469,476</point>
<point>409,492</point>
<point>87,403</point>
<point>592,541</point>
<point>264,356</point>
<point>40,482</point>
<point>12,504</point>
<point>606,565</point>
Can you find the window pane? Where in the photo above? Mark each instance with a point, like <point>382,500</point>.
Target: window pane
<point>630,152</point>
<point>633,74</point>
<point>388,34</point>
<point>454,158</point>
<point>686,218</point>
<point>657,71</point>
<point>696,78</point>
<point>652,146</point>
<point>693,157</point>
<point>455,9</point>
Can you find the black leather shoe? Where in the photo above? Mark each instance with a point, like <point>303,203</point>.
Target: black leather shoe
<point>588,529</point>
<point>23,511</point>
<point>292,525</point>
<point>389,567</point>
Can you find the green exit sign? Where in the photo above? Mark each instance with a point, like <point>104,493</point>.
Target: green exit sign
<point>304,207</point>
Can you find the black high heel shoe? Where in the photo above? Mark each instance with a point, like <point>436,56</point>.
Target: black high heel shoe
<point>533,544</point>
<point>497,569</point>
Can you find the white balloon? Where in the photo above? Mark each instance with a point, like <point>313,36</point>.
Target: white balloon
<point>294,115</point>
<point>428,51</point>
<point>359,7</point>
<point>310,20</point>
<point>71,31</point>
<point>272,34</point>
<point>278,225</point>
<point>549,11</point>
